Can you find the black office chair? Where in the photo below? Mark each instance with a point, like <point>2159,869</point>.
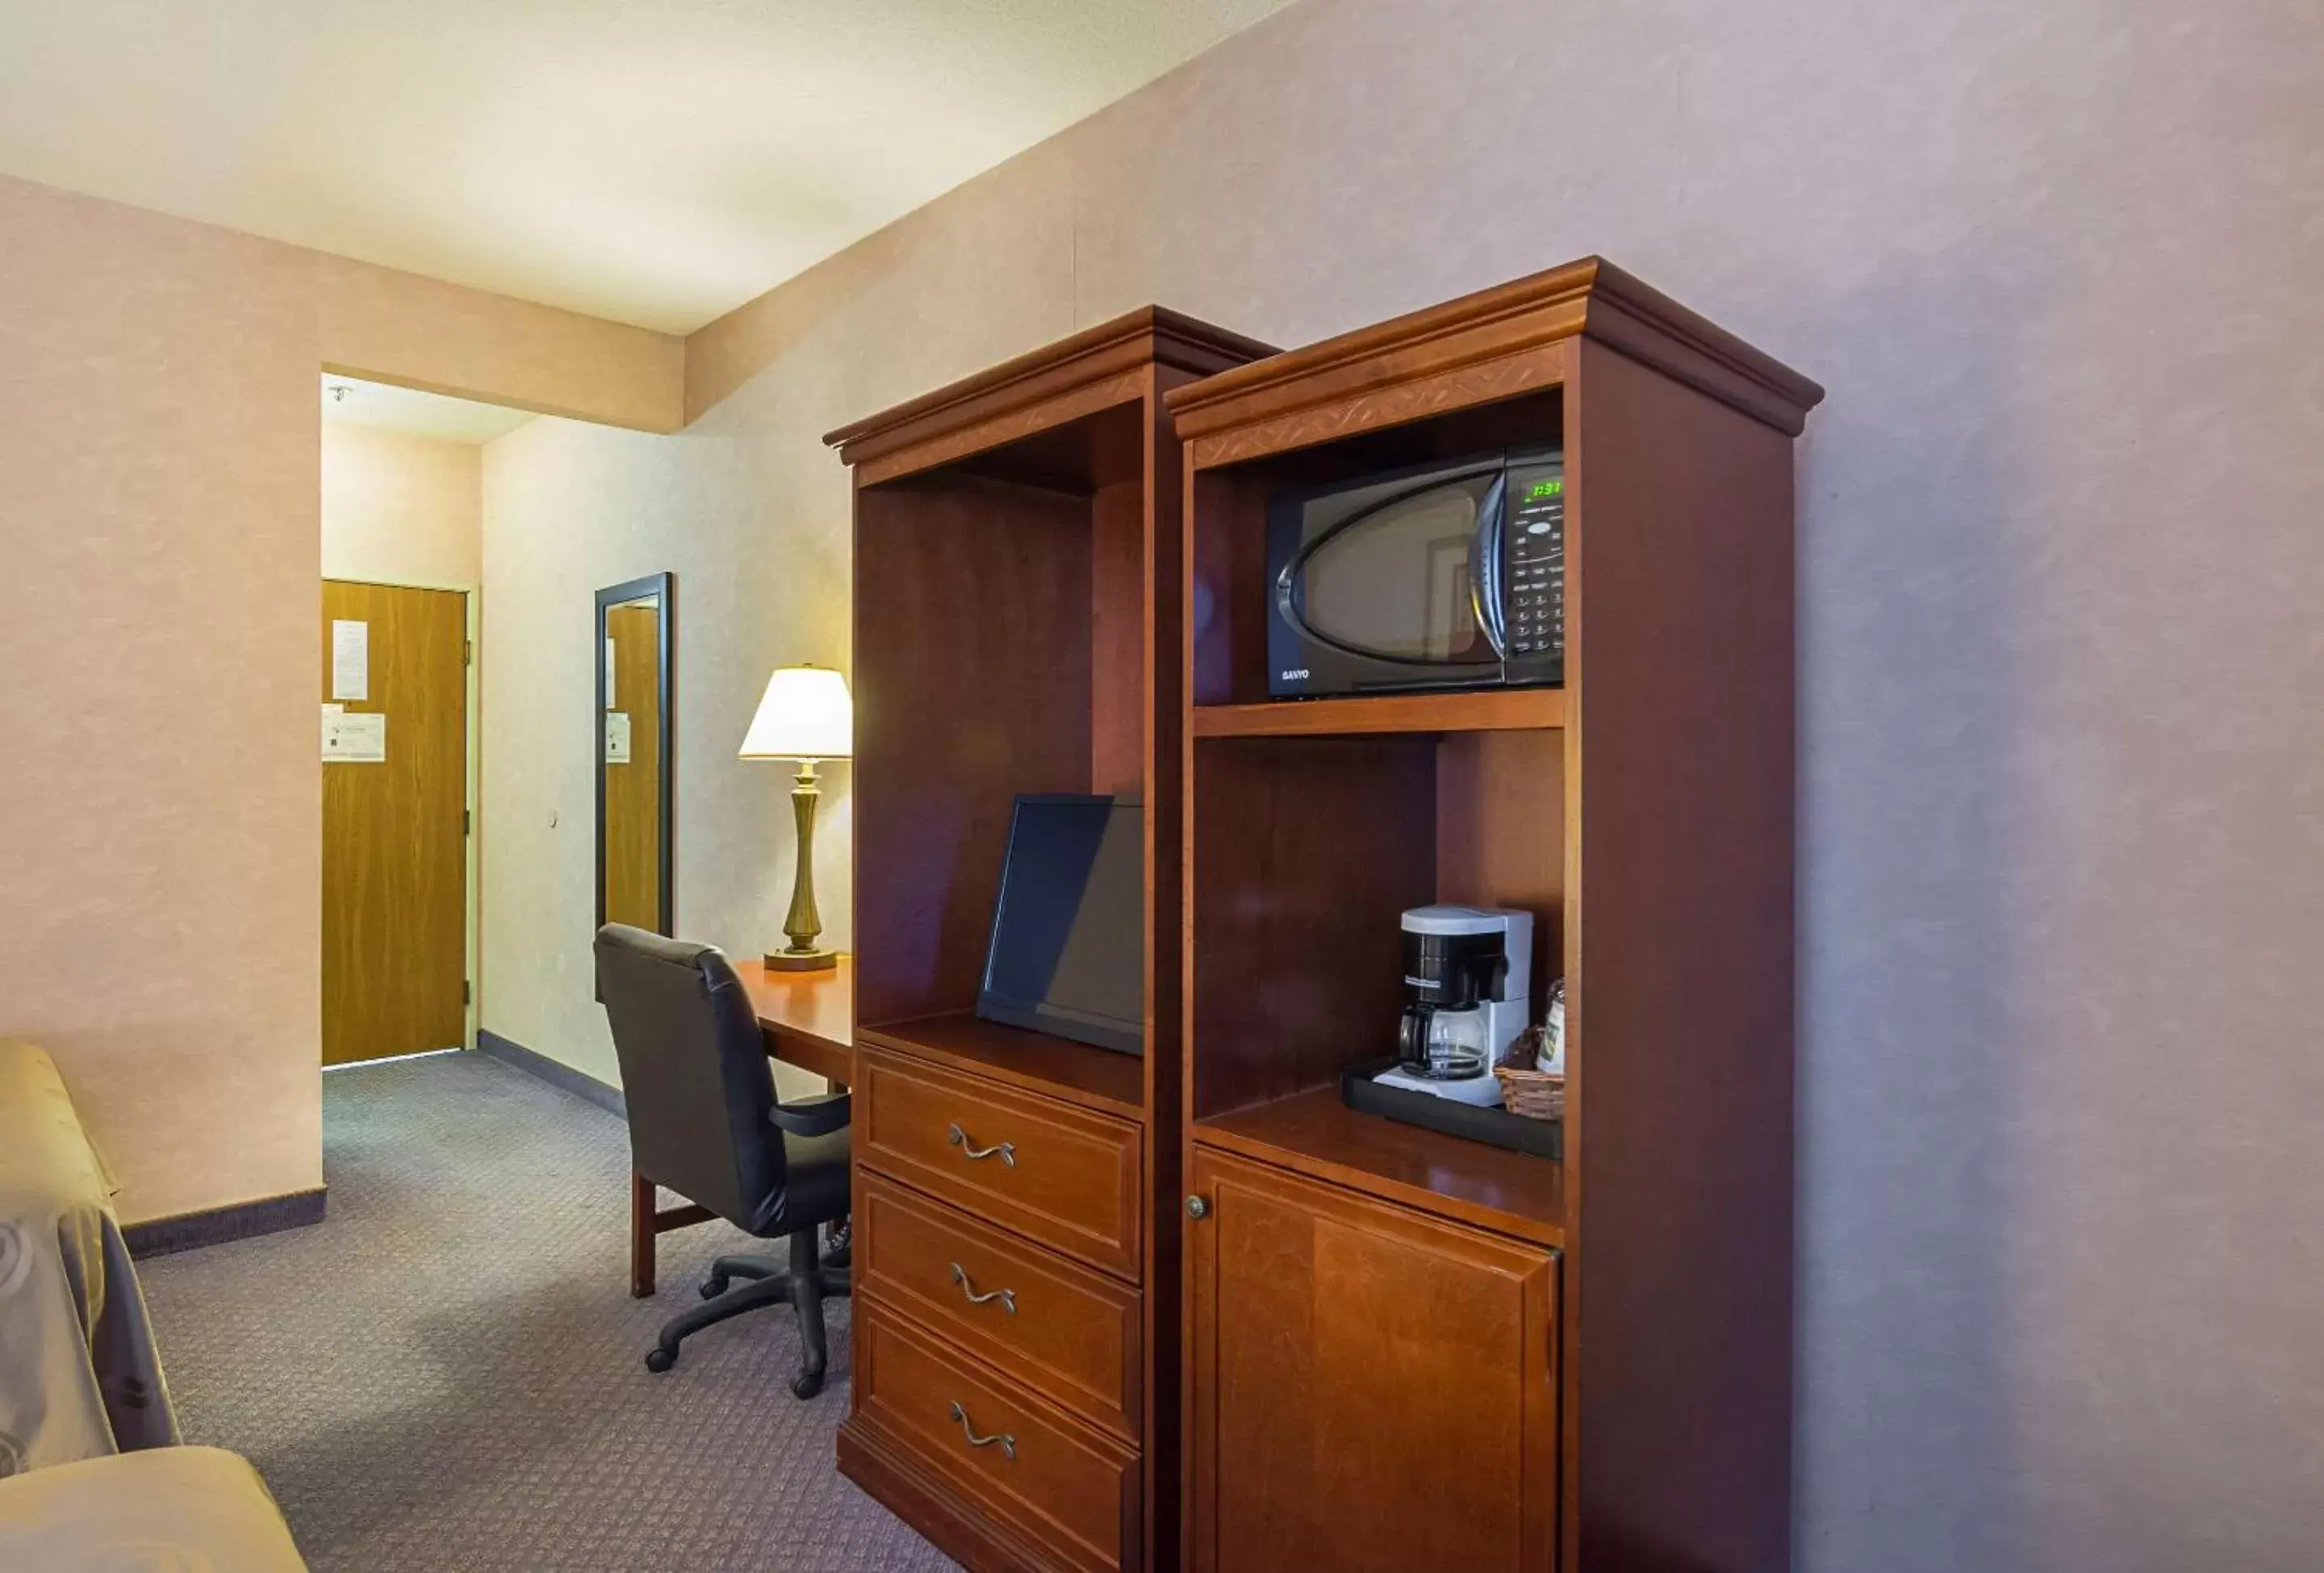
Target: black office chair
<point>704,1123</point>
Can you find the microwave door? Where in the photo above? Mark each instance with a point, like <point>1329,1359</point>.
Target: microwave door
<point>1396,594</point>
<point>1487,594</point>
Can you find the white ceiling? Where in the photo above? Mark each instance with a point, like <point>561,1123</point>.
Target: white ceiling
<point>657,161</point>
<point>352,401</point>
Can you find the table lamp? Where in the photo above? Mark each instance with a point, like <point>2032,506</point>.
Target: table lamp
<point>805,715</point>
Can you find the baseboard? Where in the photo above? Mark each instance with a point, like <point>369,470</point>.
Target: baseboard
<point>555,1072</point>
<point>216,1226</point>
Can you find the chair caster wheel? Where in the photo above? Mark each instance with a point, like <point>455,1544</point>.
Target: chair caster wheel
<point>712,1287</point>
<point>806,1385</point>
<point>660,1359</point>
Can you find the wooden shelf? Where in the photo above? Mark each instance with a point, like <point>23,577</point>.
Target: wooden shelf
<point>1487,710</point>
<point>1095,1078</point>
<point>1316,1135</point>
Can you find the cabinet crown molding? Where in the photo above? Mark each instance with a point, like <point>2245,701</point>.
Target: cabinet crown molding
<point>1148,335</point>
<point>1589,297</point>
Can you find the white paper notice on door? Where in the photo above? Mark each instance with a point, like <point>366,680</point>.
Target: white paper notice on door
<point>611,659</point>
<point>354,739</point>
<point>617,737</point>
<point>350,660</point>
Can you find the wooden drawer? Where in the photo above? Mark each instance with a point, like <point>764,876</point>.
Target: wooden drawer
<point>1070,1333</point>
<point>1063,1175</point>
<point>1056,1483</point>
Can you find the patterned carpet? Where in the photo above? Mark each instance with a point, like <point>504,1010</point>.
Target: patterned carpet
<point>448,1373</point>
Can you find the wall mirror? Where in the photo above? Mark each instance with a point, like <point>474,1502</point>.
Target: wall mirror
<point>635,638</point>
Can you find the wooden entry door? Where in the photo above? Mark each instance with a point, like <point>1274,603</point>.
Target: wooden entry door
<point>395,856</point>
<point>1371,1390</point>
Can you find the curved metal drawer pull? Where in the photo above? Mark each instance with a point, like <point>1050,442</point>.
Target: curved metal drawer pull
<point>1007,1443</point>
<point>956,1137</point>
<point>1007,1297</point>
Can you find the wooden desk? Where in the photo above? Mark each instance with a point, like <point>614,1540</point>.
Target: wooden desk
<point>806,1019</point>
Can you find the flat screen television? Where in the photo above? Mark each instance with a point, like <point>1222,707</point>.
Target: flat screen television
<point>1067,955</point>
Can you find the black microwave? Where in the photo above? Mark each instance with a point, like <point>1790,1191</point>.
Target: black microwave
<point>1446,574</point>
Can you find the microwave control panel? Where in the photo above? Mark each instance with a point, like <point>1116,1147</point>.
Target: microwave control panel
<point>1533,611</point>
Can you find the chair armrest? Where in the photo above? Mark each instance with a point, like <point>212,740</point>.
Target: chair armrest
<point>812,1116</point>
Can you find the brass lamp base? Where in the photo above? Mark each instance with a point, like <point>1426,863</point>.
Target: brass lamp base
<point>804,922</point>
<point>801,960</point>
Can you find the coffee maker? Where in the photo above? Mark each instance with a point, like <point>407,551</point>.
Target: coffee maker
<point>1468,978</point>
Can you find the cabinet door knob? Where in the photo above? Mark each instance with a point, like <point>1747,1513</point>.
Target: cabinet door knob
<point>1196,1207</point>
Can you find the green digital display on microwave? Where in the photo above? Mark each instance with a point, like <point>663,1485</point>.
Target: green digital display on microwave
<point>1541,489</point>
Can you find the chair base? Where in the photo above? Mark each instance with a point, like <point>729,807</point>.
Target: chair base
<point>804,1284</point>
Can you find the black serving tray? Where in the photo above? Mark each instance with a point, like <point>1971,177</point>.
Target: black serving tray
<point>1498,1127</point>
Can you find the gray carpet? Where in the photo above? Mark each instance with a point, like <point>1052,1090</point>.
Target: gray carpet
<point>449,1372</point>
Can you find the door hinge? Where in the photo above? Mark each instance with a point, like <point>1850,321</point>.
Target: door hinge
<point>465,822</point>
<point>467,652</point>
<point>467,992</point>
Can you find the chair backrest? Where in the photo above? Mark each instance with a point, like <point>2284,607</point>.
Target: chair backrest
<point>693,1072</point>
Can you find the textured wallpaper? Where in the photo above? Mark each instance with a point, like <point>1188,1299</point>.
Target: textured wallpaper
<point>161,820</point>
<point>569,509</point>
<point>2062,267</point>
<point>402,509</point>
<point>159,791</point>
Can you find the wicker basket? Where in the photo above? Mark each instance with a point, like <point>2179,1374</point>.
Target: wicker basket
<point>1538,1094</point>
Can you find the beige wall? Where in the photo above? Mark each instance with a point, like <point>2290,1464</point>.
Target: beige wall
<point>402,509</point>
<point>158,460</point>
<point>2062,870</point>
<point>159,785</point>
<point>449,338</point>
<point>569,509</point>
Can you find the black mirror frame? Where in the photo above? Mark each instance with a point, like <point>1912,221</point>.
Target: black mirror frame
<point>663,585</point>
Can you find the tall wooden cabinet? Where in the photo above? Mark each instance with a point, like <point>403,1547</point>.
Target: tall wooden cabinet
<point>1016,1391</point>
<point>1405,1349</point>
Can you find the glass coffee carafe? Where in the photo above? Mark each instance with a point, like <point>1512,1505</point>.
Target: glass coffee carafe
<point>1446,1042</point>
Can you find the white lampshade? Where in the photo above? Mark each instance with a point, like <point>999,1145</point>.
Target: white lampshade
<point>806,714</point>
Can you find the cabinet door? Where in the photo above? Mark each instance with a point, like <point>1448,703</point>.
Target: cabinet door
<point>1368,1387</point>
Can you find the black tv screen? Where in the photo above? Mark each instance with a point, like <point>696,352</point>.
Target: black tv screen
<point>1068,949</point>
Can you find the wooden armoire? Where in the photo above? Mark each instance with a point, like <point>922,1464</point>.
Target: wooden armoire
<point>1405,1349</point>
<point>1016,630</point>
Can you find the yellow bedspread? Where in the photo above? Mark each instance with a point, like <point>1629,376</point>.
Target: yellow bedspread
<point>183,1510</point>
<point>79,1377</point>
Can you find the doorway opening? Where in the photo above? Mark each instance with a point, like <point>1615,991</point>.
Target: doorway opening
<point>402,754</point>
